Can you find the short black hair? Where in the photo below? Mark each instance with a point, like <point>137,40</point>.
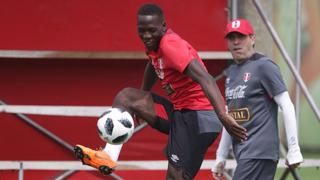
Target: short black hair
<point>150,9</point>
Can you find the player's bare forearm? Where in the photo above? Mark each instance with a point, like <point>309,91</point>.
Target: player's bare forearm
<point>197,73</point>
<point>234,129</point>
<point>218,100</point>
<point>214,95</point>
<point>149,78</point>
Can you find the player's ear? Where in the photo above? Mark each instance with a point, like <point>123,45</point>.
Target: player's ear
<point>253,39</point>
<point>164,24</point>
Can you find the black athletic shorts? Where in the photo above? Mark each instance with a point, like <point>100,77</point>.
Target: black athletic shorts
<point>190,135</point>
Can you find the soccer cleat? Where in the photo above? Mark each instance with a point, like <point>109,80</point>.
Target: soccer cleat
<point>97,159</point>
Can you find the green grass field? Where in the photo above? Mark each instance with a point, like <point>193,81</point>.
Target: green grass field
<point>304,173</point>
<point>310,173</point>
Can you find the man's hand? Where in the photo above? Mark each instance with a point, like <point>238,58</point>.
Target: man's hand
<point>294,157</point>
<point>292,166</point>
<point>234,129</point>
<point>218,169</point>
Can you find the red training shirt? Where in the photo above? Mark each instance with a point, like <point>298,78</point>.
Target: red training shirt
<point>170,61</point>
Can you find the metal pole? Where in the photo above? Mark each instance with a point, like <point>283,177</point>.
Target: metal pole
<point>293,172</point>
<point>298,60</point>
<point>221,75</point>
<point>43,130</point>
<point>283,152</point>
<point>65,175</point>
<point>287,59</point>
<point>21,171</point>
<point>140,127</point>
<point>285,174</point>
<point>234,9</point>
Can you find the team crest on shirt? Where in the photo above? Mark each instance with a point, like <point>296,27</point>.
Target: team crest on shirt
<point>227,80</point>
<point>246,76</point>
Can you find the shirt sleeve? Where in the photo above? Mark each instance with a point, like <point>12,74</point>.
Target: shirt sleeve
<point>271,78</point>
<point>284,102</point>
<point>177,54</point>
<point>223,150</point>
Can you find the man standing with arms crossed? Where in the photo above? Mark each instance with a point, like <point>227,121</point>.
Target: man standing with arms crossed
<point>254,91</point>
<point>196,99</point>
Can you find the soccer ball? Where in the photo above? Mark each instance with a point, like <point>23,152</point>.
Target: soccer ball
<point>115,126</point>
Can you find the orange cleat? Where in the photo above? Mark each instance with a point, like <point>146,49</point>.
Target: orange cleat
<point>97,159</point>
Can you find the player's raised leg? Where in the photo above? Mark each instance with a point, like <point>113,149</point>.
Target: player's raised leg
<point>136,102</point>
<point>143,104</point>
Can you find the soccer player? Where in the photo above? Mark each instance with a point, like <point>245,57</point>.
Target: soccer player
<point>197,104</point>
<point>254,90</point>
